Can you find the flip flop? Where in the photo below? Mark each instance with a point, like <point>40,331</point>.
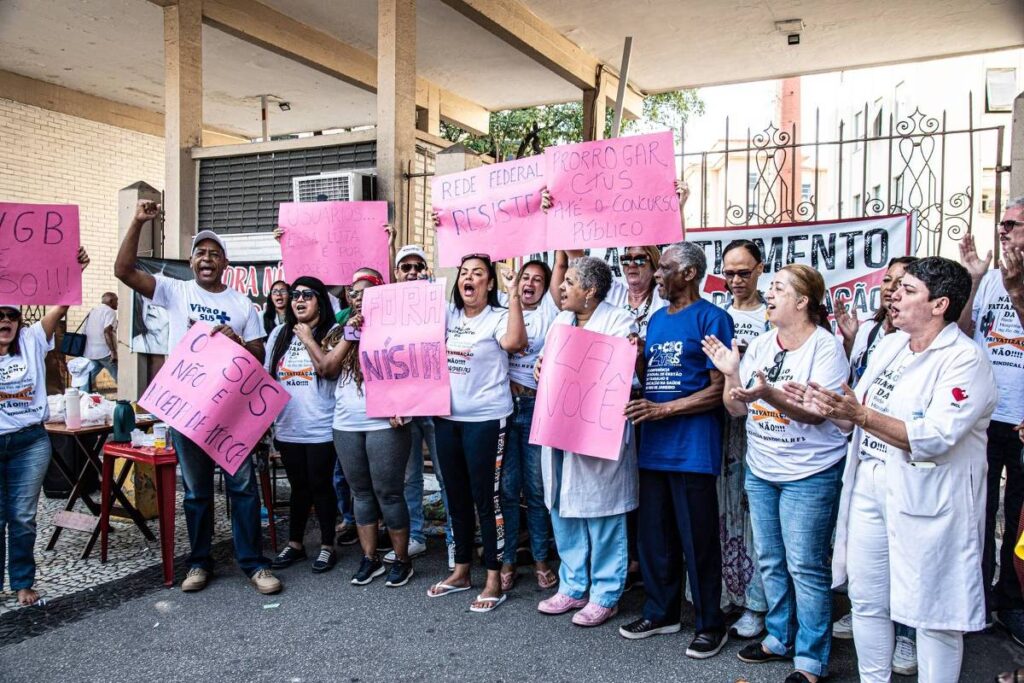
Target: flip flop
<point>508,580</point>
<point>445,589</point>
<point>546,579</point>
<point>494,604</point>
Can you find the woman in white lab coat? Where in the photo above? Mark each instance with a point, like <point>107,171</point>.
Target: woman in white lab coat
<point>912,511</point>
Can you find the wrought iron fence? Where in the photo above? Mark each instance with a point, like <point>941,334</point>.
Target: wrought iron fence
<point>912,160</point>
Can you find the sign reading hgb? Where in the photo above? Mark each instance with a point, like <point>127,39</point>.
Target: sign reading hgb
<point>39,254</point>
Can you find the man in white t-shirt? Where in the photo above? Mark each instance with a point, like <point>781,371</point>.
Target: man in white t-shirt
<point>101,338</point>
<point>992,317</point>
<point>230,313</point>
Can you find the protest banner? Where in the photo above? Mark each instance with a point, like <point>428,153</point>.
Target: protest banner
<point>613,193</point>
<point>332,240</point>
<point>216,394</point>
<point>852,255</point>
<point>39,254</point>
<point>402,350</point>
<point>583,389</point>
<point>492,210</point>
<point>149,322</point>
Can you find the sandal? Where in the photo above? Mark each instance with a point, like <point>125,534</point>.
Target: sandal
<point>546,579</point>
<point>445,589</point>
<point>508,580</point>
<point>493,604</point>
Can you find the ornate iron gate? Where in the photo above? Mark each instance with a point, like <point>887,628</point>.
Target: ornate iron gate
<point>916,152</point>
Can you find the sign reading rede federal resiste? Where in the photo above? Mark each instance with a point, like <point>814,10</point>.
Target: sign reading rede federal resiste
<point>214,392</point>
<point>606,193</point>
<point>39,254</point>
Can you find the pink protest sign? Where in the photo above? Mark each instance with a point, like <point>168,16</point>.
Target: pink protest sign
<point>492,210</point>
<point>402,350</point>
<point>582,393</point>
<point>613,193</point>
<point>39,254</point>
<point>332,240</point>
<point>215,393</point>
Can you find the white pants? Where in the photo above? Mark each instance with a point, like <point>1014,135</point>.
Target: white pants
<point>939,653</point>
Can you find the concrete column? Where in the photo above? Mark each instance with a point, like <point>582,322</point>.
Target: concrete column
<point>1017,150</point>
<point>428,119</point>
<point>396,105</point>
<point>183,116</point>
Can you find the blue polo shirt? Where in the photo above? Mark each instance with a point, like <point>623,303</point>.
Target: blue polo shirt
<point>676,368</point>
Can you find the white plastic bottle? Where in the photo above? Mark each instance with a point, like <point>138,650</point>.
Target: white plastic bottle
<point>72,408</point>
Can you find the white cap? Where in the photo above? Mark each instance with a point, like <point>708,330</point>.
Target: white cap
<point>410,250</point>
<point>209,235</point>
<point>16,307</point>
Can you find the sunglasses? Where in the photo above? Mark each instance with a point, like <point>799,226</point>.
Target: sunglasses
<point>13,316</point>
<point>303,294</point>
<point>638,261</point>
<point>774,371</point>
<point>355,293</point>
<point>409,267</point>
<point>1010,225</point>
<point>741,274</point>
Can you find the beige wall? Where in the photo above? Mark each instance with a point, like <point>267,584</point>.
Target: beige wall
<point>47,157</point>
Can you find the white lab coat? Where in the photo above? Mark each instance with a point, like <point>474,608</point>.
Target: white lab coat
<point>935,515</point>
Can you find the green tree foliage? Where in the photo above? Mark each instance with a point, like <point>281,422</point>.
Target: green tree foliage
<point>517,133</point>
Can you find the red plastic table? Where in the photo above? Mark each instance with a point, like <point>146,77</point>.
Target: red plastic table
<point>164,461</point>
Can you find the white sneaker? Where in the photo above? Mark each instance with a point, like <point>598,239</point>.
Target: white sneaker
<point>749,624</point>
<point>416,548</point>
<point>843,629</point>
<point>904,657</point>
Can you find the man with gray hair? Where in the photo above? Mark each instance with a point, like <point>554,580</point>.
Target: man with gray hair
<point>994,316</point>
<point>681,457</point>
<point>100,331</point>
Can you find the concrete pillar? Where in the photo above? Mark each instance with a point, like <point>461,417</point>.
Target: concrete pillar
<point>789,120</point>
<point>132,370</point>
<point>428,119</point>
<point>1017,149</point>
<point>183,117</point>
<point>396,106</point>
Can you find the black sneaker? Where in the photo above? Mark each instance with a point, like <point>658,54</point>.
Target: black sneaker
<point>707,644</point>
<point>325,561</point>
<point>369,569</point>
<point>400,574</point>
<point>645,628</point>
<point>288,557</point>
<point>346,535</point>
<point>755,654</point>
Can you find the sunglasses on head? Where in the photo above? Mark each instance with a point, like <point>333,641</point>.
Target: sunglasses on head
<point>10,314</point>
<point>303,294</point>
<point>741,274</point>
<point>638,261</point>
<point>418,266</point>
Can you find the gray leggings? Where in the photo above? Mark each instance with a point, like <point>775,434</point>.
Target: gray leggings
<point>374,466</point>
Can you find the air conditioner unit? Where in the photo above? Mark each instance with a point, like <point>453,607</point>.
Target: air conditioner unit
<point>335,186</point>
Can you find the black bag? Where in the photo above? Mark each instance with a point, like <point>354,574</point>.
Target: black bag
<point>73,343</point>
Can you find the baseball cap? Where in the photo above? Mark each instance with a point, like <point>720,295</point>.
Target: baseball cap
<point>16,307</point>
<point>410,250</point>
<point>209,235</point>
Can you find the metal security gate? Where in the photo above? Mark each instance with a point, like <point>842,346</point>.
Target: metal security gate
<point>913,165</point>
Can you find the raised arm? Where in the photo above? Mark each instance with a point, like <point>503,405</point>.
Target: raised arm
<point>127,255</point>
<point>727,361</point>
<point>977,269</point>
<point>1011,267</point>
<point>514,340</point>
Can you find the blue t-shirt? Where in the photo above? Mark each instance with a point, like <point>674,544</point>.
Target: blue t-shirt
<point>676,368</point>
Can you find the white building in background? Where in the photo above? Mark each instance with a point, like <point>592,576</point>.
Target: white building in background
<point>936,173</point>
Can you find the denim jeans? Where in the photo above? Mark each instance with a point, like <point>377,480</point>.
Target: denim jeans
<point>520,475</point>
<point>197,479</point>
<point>422,429</point>
<point>594,554</point>
<point>24,457</point>
<point>344,494</point>
<point>97,367</point>
<point>793,524</point>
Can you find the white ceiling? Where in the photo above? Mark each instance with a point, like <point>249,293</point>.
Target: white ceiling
<point>114,49</point>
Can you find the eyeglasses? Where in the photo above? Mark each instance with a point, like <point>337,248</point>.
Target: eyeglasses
<point>638,261</point>
<point>741,274</point>
<point>12,315</point>
<point>1010,225</point>
<point>279,292</point>
<point>418,266</point>
<point>303,294</point>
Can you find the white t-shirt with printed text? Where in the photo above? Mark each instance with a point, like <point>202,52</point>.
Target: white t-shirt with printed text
<point>186,303</point>
<point>618,296</point>
<point>538,322</point>
<point>478,366</point>
<point>307,418</point>
<point>998,331</point>
<point>877,398</point>
<point>23,381</point>
<point>778,447</point>
<point>748,325</point>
